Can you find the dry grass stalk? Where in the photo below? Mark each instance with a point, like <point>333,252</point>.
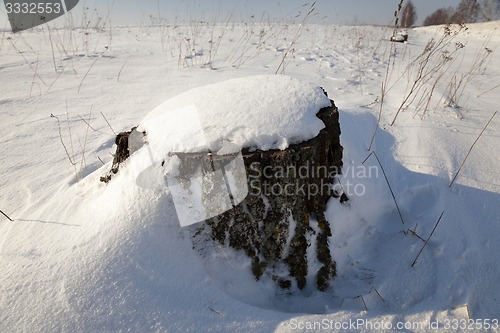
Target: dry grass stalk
<point>427,240</point>
<point>71,160</point>
<point>383,300</point>
<point>281,67</point>
<point>6,216</point>
<point>385,83</point>
<point>107,122</point>
<point>472,147</point>
<point>388,184</point>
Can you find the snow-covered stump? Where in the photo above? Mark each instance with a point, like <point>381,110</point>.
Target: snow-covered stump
<point>271,206</point>
<point>287,190</point>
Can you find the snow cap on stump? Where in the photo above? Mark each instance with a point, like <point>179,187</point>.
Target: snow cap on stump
<point>263,112</point>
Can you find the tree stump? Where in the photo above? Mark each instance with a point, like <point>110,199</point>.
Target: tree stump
<point>287,190</point>
<point>283,214</point>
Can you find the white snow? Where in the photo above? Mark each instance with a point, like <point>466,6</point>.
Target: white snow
<point>81,256</point>
<point>263,112</point>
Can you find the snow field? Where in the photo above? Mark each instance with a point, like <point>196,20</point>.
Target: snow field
<point>82,256</point>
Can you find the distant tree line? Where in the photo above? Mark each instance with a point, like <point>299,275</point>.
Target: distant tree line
<point>468,11</point>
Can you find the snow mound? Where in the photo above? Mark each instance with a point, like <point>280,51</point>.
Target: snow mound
<point>263,112</point>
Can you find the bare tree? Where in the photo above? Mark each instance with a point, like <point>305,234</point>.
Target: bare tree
<point>408,15</point>
<point>467,12</point>
<point>490,10</point>
<point>440,16</point>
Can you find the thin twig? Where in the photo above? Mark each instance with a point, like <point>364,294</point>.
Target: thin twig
<point>387,75</point>
<point>28,63</point>
<point>52,48</point>
<point>487,91</point>
<point>371,104</point>
<point>70,136</point>
<point>11,220</point>
<point>414,233</point>
<point>383,300</point>
<point>82,163</point>
<point>387,180</point>
<point>87,123</point>
<point>60,137</point>
<point>428,238</point>
<point>57,77</point>
<point>217,312</point>
<point>363,300</point>
<point>34,76</point>
<point>379,116</point>
<point>470,150</point>
<point>120,72</point>
<point>294,40</point>
<point>107,122</point>
<point>90,68</point>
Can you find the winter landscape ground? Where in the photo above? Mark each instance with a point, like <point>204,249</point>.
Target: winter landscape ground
<point>83,256</point>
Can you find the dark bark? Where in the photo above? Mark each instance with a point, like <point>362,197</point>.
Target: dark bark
<point>121,154</point>
<point>260,225</point>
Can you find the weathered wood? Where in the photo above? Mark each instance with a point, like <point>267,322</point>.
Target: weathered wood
<point>274,228</point>
<point>121,154</point>
<point>260,225</point>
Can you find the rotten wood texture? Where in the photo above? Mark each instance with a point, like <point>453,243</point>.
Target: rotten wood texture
<point>284,212</point>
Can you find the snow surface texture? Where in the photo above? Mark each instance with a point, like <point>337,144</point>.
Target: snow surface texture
<point>264,112</point>
<point>82,256</point>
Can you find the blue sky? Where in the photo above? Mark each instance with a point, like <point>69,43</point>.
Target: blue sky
<point>328,11</point>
